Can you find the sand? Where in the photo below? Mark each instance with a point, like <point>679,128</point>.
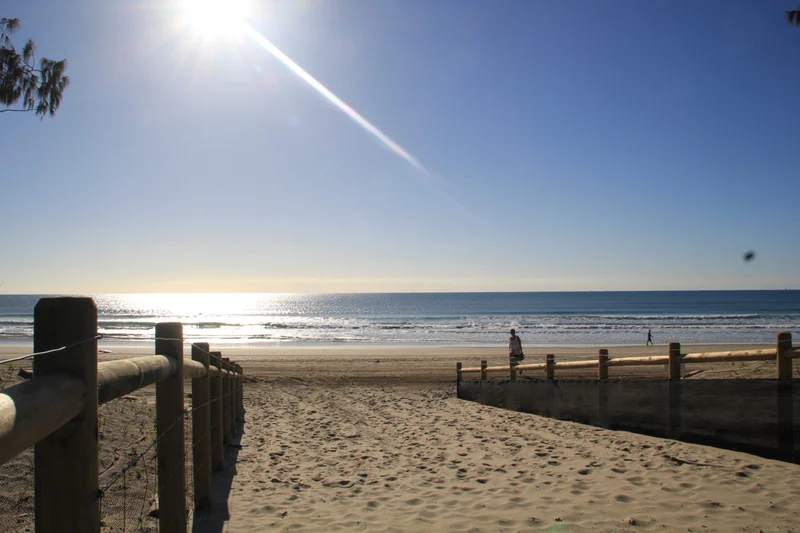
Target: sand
<point>373,439</point>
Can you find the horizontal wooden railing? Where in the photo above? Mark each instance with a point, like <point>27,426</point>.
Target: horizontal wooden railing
<point>22,406</point>
<point>56,412</point>
<point>34,409</point>
<point>124,376</point>
<point>782,354</point>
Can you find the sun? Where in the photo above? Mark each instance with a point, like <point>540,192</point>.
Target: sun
<point>215,17</point>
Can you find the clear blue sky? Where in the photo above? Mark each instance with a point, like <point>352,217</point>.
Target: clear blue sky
<point>569,146</point>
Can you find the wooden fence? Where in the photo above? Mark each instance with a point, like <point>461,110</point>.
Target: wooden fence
<point>783,354</point>
<point>56,412</point>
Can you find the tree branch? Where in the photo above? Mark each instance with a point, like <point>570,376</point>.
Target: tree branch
<point>15,110</point>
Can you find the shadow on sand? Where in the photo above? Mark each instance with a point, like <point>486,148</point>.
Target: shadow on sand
<point>212,519</point>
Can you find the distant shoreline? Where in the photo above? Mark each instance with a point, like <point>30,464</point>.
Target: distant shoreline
<point>310,349</point>
<point>562,320</point>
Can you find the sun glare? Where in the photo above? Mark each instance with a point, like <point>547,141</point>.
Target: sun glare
<point>214,17</point>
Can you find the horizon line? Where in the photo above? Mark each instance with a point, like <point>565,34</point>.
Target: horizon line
<point>395,292</point>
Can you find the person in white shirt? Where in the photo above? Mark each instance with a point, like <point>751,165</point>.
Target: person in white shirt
<point>515,347</point>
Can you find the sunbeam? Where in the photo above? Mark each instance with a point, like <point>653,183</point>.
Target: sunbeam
<point>335,100</point>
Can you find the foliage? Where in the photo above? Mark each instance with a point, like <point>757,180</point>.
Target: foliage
<point>21,82</point>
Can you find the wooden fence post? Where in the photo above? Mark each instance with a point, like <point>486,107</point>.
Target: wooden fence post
<point>226,404</point>
<point>458,379</point>
<point>674,390</point>
<point>484,373</point>
<point>551,369</point>
<point>602,387</point>
<point>783,357</point>
<point>240,403</point>
<point>217,439</point>
<point>170,433</point>
<point>66,474</point>
<point>235,400</point>
<point>512,369</point>
<point>674,361</point>
<point>602,364</point>
<point>201,429</point>
<point>786,415</point>
<point>231,399</point>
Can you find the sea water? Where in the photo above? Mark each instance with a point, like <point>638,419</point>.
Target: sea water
<point>459,319</point>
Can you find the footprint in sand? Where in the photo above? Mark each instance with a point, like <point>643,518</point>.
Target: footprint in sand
<point>755,489</point>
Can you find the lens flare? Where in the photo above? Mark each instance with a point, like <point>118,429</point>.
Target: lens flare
<point>332,98</point>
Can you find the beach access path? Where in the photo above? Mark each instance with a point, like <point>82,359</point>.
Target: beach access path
<point>375,440</point>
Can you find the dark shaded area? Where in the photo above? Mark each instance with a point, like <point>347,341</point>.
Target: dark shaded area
<point>761,417</point>
<point>213,518</point>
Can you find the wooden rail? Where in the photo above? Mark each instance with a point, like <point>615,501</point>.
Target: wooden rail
<point>34,409</point>
<point>56,412</point>
<point>782,354</point>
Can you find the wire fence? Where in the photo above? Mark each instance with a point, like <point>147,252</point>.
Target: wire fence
<point>142,475</point>
<point>129,488</point>
<point>128,466</point>
<point>106,352</point>
<point>16,476</point>
<point>48,352</point>
<point>127,459</point>
<point>127,453</point>
<point>16,494</point>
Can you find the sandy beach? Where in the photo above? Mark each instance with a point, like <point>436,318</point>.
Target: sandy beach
<point>373,439</point>
<point>340,441</point>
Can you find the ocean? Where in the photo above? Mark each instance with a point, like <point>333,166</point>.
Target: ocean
<point>456,319</point>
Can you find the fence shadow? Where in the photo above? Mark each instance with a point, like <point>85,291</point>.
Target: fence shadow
<point>212,519</point>
<point>756,416</point>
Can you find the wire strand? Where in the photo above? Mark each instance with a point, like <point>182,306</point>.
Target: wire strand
<point>193,344</point>
<point>54,350</point>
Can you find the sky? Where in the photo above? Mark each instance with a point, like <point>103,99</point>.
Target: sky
<point>517,145</point>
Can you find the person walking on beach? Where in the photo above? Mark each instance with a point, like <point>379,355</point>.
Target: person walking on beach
<point>649,338</point>
<point>515,347</point>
